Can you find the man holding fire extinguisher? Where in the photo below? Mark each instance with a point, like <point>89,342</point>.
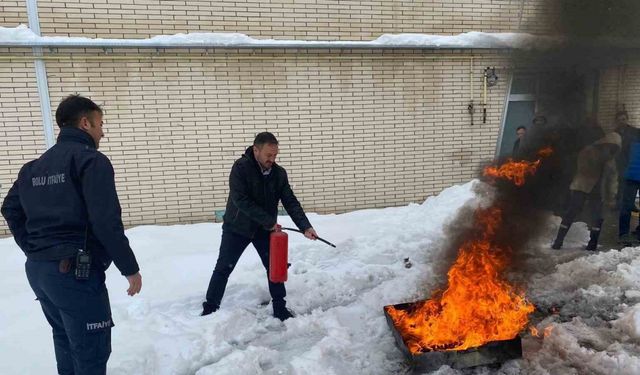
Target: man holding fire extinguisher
<point>256,185</point>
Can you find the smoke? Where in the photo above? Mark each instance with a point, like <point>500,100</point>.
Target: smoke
<point>592,19</point>
<point>597,35</point>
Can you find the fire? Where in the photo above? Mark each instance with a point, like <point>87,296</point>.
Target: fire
<point>545,333</point>
<point>479,305</point>
<point>517,171</point>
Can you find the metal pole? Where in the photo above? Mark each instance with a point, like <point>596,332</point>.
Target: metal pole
<point>291,44</point>
<point>41,76</point>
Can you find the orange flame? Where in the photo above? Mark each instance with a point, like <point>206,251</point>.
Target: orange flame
<point>534,331</point>
<point>545,152</point>
<point>545,333</point>
<point>517,171</point>
<point>478,306</point>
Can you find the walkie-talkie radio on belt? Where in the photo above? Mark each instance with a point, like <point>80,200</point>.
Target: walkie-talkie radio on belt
<point>83,265</point>
<point>83,260</point>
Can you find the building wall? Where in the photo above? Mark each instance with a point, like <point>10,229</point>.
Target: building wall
<point>619,90</point>
<point>21,132</point>
<point>293,19</point>
<point>13,13</point>
<point>359,129</point>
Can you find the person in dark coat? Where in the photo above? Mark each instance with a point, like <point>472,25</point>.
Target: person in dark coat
<point>256,185</point>
<point>64,213</point>
<point>521,132</point>
<point>595,182</point>
<point>629,163</point>
<point>629,136</point>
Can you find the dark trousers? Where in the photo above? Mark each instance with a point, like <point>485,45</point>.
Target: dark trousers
<point>231,248</point>
<point>629,193</point>
<point>577,201</point>
<point>79,314</point>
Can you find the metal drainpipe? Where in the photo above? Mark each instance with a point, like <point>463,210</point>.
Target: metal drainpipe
<point>41,76</point>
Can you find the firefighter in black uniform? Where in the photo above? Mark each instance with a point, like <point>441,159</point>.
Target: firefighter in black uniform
<point>64,213</point>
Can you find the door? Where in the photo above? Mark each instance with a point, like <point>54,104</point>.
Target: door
<point>520,110</point>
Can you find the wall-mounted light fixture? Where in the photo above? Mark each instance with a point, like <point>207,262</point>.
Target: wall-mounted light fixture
<point>490,80</point>
<point>490,76</point>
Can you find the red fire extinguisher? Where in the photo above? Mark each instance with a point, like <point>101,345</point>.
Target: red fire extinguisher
<point>278,255</point>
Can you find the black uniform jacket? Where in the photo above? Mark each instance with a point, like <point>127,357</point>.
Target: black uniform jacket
<point>66,197</point>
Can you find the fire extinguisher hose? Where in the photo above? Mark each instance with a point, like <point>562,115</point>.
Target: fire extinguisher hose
<point>299,231</point>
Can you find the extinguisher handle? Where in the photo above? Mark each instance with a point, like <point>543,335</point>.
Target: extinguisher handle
<point>318,238</point>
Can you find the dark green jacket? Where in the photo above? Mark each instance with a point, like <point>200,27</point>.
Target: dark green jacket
<point>253,198</point>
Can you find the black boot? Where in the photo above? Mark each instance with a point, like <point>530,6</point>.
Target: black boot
<point>280,311</point>
<point>562,232</point>
<point>208,308</point>
<point>593,240</point>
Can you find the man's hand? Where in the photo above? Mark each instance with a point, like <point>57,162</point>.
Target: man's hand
<point>135,284</point>
<point>273,228</point>
<point>311,234</point>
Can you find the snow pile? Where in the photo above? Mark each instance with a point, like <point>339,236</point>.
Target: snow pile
<point>471,39</point>
<point>629,323</point>
<point>22,34</point>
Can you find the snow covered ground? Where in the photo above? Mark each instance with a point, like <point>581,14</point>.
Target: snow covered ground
<point>338,295</point>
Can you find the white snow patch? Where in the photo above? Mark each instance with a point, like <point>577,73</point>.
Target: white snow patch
<point>474,39</point>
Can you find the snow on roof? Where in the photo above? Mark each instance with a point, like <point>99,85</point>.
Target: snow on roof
<point>23,36</point>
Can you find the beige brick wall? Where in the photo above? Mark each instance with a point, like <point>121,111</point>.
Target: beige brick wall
<point>358,129</point>
<point>619,89</point>
<point>21,131</point>
<point>607,97</point>
<point>538,17</point>
<point>292,19</point>
<point>13,13</point>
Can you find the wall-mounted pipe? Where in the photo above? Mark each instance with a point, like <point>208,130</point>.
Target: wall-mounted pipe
<point>63,56</point>
<point>271,44</point>
<point>41,76</point>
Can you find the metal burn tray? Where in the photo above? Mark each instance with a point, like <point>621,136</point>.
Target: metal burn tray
<point>492,353</point>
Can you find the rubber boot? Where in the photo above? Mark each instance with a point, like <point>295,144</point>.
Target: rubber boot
<point>280,311</point>
<point>562,232</point>
<point>208,308</point>
<point>593,240</point>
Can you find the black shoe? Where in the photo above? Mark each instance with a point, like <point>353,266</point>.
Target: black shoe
<point>562,232</point>
<point>593,240</point>
<point>628,240</point>
<point>282,313</point>
<point>208,308</point>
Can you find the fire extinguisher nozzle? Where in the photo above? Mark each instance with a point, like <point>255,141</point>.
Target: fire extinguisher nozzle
<point>327,242</point>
